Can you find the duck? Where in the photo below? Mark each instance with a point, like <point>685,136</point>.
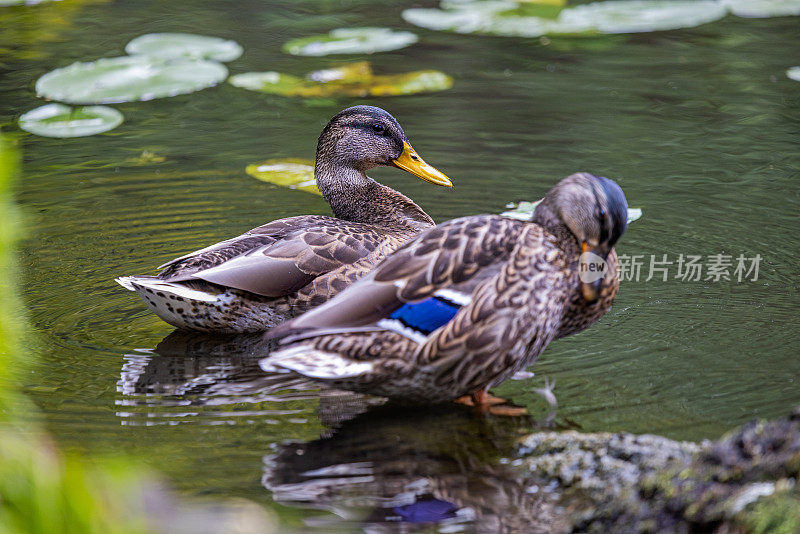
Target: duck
<point>466,304</point>
<point>276,271</point>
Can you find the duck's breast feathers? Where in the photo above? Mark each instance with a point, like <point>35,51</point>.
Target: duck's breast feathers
<point>280,257</point>
<point>443,263</point>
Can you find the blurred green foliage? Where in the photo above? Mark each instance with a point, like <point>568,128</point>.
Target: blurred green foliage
<point>11,322</point>
<point>41,489</point>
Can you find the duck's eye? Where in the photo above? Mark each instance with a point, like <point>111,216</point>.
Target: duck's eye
<point>378,128</point>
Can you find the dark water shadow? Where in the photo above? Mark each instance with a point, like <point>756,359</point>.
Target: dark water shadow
<point>375,466</point>
<point>396,469</point>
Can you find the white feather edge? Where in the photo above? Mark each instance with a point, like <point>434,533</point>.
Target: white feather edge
<point>396,326</point>
<point>314,363</point>
<point>454,296</point>
<point>133,283</point>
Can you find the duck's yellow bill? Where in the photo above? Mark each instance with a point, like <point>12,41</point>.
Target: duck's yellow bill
<point>410,161</point>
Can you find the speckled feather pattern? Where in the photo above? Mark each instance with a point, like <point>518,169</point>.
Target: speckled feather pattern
<point>279,270</point>
<point>511,287</point>
<point>329,255</point>
<point>517,276</point>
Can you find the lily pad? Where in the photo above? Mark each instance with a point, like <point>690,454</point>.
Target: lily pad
<point>523,211</point>
<point>610,17</point>
<point>350,41</point>
<point>58,120</point>
<point>128,79</point>
<point>4,3</point>
<point>763,8</point>
<point>794,73</point>
<point>185,45</point>
<point>354,79</point>
<point>289,172</point>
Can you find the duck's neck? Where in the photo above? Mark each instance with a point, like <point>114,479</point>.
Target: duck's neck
<point>578,314</point>
<point>354,196</point>
<point>546,217</point>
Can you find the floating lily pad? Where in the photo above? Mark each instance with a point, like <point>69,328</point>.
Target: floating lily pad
<point>610,17</point>
<point>763,8</point>
<point>350,41</point>
<point>4,3</point>
<point>794,73</point>
<point>128,79</point>
<point>634,214</point>
<point>544,2</point>
<point>185,45</point>
<point>289,172</point>
<point>355,79</point>
<point>58,120</point>
<point>523,211</point>
<point>145,158</point>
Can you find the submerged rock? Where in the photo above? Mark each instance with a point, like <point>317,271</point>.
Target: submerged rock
<point>745,482</point>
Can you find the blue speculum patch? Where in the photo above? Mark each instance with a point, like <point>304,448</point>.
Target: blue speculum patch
<point>427,315</point>
<point>427,511</point>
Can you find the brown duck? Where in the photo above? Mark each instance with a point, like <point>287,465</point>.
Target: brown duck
<point>276,271</point>
<point>468,303</point>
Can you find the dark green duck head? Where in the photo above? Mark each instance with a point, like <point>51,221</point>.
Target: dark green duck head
<point>363,137</point>
<point>594,210</point>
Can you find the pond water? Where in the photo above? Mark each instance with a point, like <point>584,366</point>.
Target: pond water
<point>699,126</point>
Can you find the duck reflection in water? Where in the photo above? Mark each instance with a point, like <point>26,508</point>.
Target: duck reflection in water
<point>377,467</point>
<point>187,374</point>
<point>393,469</point>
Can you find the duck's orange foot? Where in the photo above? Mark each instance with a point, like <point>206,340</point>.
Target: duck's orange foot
<point>487,403</point>
<point>480,400</point>
<point>508,410</point>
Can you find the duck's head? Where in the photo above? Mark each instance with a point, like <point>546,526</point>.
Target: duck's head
<point>595,211</point>
<point>363,137</point>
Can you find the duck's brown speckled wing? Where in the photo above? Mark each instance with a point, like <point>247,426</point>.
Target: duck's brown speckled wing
<point>278,258</point>
<point>510,276</point>
<point>450,254</point>
<point>511,318</point>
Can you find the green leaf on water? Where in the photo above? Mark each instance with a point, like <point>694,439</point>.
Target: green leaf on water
<point>794,73</point>
<point>352,79</point>
<point>523,211</point>
<point>128,79</point>
<point>350,41</point>
<point>508,18</point>
<point>293,173</point>
<point>58,120</point>
<point>763,8</point>
<point>634,214</point>
<point>184,45</point>
<point>4,3</point>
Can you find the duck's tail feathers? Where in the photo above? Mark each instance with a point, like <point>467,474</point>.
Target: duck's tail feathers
<point>175,303</point>
<point>126,282</point>
<point>314,363</point>
<point>152,286</point>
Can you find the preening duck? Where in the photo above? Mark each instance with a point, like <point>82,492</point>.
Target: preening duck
<point>468,303</point>
<point>276,271</point>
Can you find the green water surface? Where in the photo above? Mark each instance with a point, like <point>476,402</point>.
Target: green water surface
<point>700,127</point>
